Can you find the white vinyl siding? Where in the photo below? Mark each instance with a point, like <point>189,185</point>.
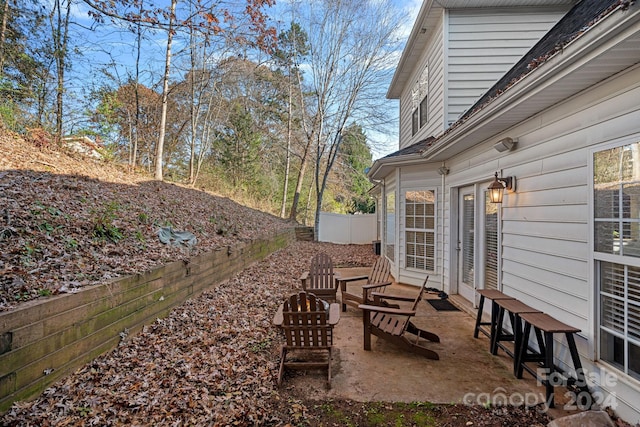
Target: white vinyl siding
<point>484,45</point>
<point>432,59</point>
<point>545,227</point>
<point>547,234</point>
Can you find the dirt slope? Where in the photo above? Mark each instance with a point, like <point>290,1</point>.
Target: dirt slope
<point>67,221</point>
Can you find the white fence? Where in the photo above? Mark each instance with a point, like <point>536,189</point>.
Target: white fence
<point>356,229</point>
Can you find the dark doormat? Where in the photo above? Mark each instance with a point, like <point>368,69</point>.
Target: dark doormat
<point>442,305</point>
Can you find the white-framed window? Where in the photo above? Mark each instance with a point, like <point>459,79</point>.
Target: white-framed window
<point>420,102</point>
<point>420,229</point>
<point>616,212</point>
<point>491,248</point>
<point>424,110</point>
<point>390,225</point>
<point>415,125</point>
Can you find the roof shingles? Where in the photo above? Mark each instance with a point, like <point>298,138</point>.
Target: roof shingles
<point>579,19</point>
<point>417,148</point>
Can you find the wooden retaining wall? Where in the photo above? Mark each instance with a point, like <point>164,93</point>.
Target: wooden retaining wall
<point>42,341</point>
<point>304,234</point>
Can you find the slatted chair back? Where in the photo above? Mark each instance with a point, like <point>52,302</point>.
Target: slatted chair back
<point>320,279</point>
<point>394,324</point>
<point>321,272</point>
<point>380,271</point>
<point>305,322</point>
<point>420,295</point>
<point>307,331</point>
<point>377,280</point>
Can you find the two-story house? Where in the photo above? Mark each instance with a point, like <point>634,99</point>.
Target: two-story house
<point>547,93</point>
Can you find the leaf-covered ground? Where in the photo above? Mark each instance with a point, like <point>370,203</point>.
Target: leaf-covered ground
<point>213,362</point>
<point>67,221</point>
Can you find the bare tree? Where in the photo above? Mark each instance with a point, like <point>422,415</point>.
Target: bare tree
<point>165,91</point>
<point>308,127</point>
<point>133,146</point>
<point>293,48</point>
<point>206,56</point>
<point>352,43</point>
<point>3,32</point>
<point>59,18</point>
<point>218,18</point>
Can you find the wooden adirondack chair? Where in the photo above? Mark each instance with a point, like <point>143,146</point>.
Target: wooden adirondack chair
<point>394,324</point>
<point>376,281</point>
<point>307,322</point>
<point>321,279</point>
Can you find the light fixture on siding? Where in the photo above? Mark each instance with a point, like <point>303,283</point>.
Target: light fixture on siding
<point>443,170</point>
<point>505,144</point>
<point>497,187</point>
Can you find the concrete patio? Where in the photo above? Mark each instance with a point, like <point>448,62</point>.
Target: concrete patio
<point>465,373</point>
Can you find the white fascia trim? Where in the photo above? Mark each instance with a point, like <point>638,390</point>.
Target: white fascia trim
<point>393,162</point>
<point>425,10</point>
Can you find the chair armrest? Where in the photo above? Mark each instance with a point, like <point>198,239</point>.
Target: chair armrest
<point>376,285</point>
<point>278,318</point>
<point>387,310</point>
<point>392,297</point>
<point>353,278</point>
<point>334,314</point>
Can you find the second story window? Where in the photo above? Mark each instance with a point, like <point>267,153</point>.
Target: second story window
<point>414,122</point>
<point>424,112</point>
<point>420,98</point>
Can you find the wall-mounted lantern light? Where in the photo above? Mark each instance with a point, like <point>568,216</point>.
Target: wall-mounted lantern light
<point>497,187</point>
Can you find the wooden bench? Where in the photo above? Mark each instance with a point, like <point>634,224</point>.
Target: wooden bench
<point>545,326</point>
<point>515,309</point>
<point>494,295</point>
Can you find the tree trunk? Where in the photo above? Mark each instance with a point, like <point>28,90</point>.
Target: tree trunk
<point>194,111</point>
<point>321,185</point>
<point>300,181</point>
<point>134,148</point>
<point>165,94</point>
<point>60,38</point>
<point>3,33</point>
<point>305,155</point>
<point>308,206</point>
<point>283,209</point>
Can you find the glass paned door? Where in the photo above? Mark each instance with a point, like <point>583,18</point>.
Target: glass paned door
<point>466,243</point>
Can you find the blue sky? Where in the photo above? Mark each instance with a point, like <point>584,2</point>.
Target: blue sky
<point>112,48</point>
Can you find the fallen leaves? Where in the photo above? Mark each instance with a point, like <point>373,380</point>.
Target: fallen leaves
<point>86,222</point>
<point>212,361</point>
